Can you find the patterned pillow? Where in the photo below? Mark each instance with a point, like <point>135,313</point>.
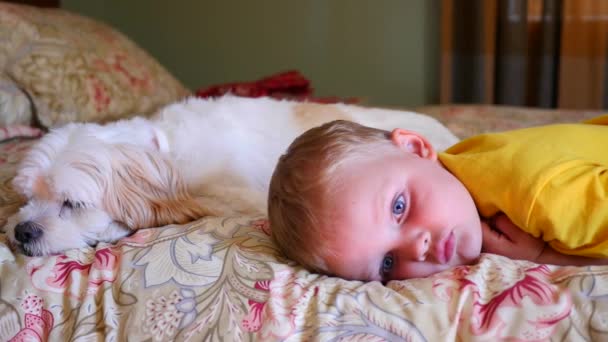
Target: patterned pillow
<point>15,107</point>
<point>75,69</point>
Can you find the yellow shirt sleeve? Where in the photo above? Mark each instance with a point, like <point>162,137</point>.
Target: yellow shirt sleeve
<point>571,211</point>
<point>551,181</point>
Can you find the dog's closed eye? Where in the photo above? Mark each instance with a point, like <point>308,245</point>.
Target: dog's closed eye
<point>68,204</point>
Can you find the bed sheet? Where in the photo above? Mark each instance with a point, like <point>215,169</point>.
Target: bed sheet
<point>221,279</point>
<point>468,120</point>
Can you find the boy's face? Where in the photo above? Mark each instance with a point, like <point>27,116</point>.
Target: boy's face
<point>400,215</point>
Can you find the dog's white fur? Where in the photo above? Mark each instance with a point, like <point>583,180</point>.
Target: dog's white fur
<point>87,183</point>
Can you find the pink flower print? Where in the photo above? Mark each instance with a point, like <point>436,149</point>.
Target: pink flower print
<point>101,98</point>
<point>32,304</point>
<point>122,66</point>
<point>503,293</point>
<point>532,286</point>
<point>253,321</point>
<point>162,316</point>
<point>119,64</point>
<point>279,313</point>
<point>11,131</point>
<point>38,321</point>
<point>75,271</point>
<point>275,318</point>
<point>262,225</point>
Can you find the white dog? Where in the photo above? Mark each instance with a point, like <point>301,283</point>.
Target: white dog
<point>87,183</point>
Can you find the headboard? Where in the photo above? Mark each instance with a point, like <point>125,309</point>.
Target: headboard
<point>39,3</point>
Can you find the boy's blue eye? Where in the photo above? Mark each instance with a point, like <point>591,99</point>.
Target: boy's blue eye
<point>399,205</point>
<point>387,264</point>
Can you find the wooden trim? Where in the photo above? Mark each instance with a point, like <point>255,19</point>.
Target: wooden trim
<point>535,51</point>
<point>445,67</point>
<point>583,54</point>
<point>39,3</point>
<point>490,16</point>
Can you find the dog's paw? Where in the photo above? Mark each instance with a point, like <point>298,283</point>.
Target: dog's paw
<point>115,232</point>
<point>6,255</point>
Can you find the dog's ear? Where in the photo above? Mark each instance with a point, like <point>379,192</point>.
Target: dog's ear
<point>30,179</point>
<point>23,183</point>
<point>146,190</point>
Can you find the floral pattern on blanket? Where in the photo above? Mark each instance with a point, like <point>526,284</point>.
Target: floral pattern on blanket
<point>221,278</point>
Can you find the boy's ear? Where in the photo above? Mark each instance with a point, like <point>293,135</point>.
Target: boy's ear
<point>413,142</point>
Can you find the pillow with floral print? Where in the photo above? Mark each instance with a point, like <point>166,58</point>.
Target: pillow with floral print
<point>73,68</point>
<point>15,107</point>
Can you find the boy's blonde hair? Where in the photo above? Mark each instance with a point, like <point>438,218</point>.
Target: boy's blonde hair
<point>304,178</point>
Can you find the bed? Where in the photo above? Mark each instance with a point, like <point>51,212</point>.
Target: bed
<point>221,278</point>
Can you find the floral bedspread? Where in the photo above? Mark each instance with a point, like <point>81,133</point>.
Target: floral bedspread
<point>221,279</point>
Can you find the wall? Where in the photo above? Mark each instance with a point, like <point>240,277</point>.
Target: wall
<point>385,51</point>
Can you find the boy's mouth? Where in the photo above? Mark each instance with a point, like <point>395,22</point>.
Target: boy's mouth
<point>445,248</point>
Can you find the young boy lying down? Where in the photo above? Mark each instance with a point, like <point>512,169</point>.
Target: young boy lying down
<point>366,204</point>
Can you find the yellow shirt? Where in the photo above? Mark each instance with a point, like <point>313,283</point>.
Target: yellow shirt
<point>551,181</point>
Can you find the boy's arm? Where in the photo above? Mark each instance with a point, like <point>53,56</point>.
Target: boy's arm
<point>553,257</point>
<point>509,240</point>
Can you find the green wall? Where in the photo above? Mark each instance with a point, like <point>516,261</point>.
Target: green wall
<point>385,51</point>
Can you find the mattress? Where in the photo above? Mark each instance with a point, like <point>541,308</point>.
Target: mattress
<point>222,279</point>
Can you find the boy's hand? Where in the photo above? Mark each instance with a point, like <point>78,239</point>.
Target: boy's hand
<point>508,240</point>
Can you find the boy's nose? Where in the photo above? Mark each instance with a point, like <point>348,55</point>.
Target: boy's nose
<point>422,245</point>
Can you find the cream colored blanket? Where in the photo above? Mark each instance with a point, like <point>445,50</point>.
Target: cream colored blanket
<point>221,279</point>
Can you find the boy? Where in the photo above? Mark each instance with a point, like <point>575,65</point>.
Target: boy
<point>367,204</point>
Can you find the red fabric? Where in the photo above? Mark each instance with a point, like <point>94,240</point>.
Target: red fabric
<point>286,85</point>
<point>18,131</point>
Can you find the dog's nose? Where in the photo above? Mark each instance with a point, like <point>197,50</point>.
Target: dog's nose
<point>27,231</point>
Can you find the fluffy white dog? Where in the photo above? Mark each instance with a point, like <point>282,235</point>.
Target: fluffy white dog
<point>86,183</point>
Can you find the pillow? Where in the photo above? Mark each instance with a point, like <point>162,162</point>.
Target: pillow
<point>15,107</point>
<point>73,68</point>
